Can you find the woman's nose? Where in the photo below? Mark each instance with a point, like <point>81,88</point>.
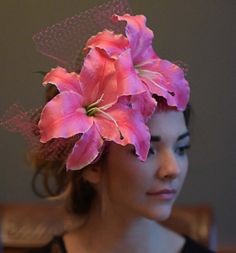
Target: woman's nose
<point>168,165</point>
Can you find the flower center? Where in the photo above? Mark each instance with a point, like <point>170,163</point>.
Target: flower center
<point>92,109</point>
<point>151,75</point>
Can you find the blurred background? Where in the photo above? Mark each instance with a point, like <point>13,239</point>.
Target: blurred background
<point>200,33</point>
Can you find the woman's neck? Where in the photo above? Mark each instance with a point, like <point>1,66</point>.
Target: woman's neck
<point>113,235</point>
<point>112,232</point>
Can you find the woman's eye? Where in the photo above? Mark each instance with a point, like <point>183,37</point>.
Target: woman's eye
<point>182,150</point>
<point>151,151</point>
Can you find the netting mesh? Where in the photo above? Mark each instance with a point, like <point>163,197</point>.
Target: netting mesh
<point>184,66</point>
<point>64,41</point>
<point>17,120</point>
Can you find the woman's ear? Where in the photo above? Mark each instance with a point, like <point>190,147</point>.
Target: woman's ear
<point>92,174</point>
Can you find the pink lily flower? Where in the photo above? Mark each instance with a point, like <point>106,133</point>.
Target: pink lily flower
<point>161,77</point>
<point>116,47</point>
<point>88,104</point>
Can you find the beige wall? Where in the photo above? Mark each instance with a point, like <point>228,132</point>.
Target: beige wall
<point>199,32</point>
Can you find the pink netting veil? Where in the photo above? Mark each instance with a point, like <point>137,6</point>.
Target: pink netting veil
<point>18,120</point>
<point>64,41</point>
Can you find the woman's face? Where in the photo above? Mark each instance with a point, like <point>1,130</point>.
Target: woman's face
<point>132,186</point>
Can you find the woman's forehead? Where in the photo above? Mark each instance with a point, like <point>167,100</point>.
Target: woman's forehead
<point>167,123</point>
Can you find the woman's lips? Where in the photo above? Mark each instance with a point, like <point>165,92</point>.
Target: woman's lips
<point>165,194</point>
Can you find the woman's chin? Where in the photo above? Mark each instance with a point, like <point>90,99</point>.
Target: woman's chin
<point>160,213</point>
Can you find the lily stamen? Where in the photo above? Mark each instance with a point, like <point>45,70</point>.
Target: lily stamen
<point>96,102</point>
<point>150,72</point>
<point>113,120</point>
<point>105,107</point>
<point>145,63</point>
<point>91,111</point>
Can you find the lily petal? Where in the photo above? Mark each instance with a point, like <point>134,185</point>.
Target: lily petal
<point>64,116</point>
<point>63,80</point>
<point>131,125</point>
<point>145,104</point>
<point>116,46</point>
<point>140,37</point>
<point>128,81</point>
<point>171,78</point>
<point>110,42</point>
<point>98,78</point>
<point>85,151</point>
<point>178,84</point>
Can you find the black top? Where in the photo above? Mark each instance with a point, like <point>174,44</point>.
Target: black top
<point>57,246</point>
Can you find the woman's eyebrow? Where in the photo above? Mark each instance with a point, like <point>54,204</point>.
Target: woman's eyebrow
<point>158,138</point>
<point>182,136</point>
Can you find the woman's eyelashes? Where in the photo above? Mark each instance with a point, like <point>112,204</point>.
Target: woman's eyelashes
<point>151,152</point>
<point>182,150</point>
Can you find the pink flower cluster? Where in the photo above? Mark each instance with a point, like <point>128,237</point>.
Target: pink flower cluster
<point>111,98</point>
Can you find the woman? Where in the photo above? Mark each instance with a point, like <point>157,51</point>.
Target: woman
<point>128,184</point>
<point>119,127</point>
<point>126,198</point>
<point>133,195</point>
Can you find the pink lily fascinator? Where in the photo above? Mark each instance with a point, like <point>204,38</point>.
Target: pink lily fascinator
<point>89,104</point>
<point>106,84</point>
